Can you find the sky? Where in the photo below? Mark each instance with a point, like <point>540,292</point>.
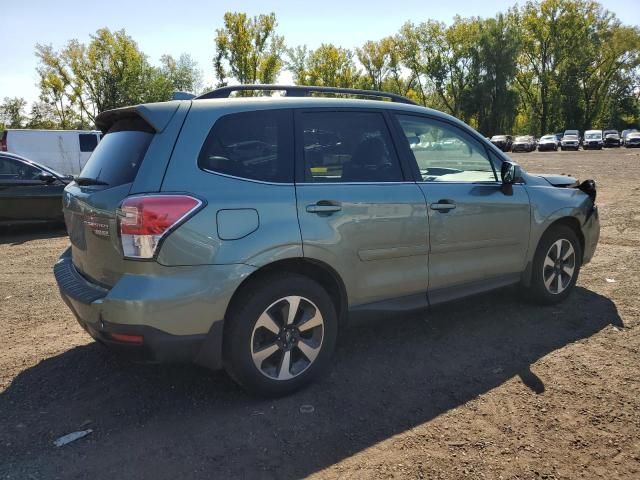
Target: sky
<point>188,26</point>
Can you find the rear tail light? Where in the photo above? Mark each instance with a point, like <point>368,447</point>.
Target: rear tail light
<point>145,220</point>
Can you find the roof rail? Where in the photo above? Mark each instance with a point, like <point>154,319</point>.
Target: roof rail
<point>303,91</point>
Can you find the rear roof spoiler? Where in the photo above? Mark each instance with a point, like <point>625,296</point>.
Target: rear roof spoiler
<point>157,115</point>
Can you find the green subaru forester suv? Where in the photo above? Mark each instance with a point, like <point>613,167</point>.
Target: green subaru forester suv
<point>239,232</point>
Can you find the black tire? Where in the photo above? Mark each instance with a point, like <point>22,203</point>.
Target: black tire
<point>239,344</point>
<point>538,291</point>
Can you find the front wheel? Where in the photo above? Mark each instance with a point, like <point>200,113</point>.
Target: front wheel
<point>281,336</point>
<point>556,265</point>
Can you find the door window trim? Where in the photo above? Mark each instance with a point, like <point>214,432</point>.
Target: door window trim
<point>299,176</point>
<point>410,158</point>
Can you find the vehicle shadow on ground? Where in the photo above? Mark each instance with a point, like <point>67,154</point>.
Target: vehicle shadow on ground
<point>388,376</point>
<point>21,234</point>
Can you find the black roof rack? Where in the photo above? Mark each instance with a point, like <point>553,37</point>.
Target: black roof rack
<point>303,91</point>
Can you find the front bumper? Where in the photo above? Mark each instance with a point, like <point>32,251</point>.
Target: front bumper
<point>546,146</point>
<point>591,234</point>
<point>179,314</point>
<point>567,146</point>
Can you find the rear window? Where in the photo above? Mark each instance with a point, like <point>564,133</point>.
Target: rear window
<point>253,145</point>
<point>118,156</point>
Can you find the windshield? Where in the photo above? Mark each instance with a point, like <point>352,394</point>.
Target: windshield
<point>498,137</point>
<point>522,139</point>
<point>573,133</point>
<point>593,136</point>
<point>570,137</point>
<point>548,138</point>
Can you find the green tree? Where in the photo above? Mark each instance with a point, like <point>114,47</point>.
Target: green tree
<point>12,113</point>
<point>491,99</point>
<point>248,50</point>
<point>183,73</point>
<point>42,115</point>
<point>332,66</point>
<point>81,81</point>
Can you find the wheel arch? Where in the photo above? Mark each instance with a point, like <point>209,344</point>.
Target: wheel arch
<point>318,271</point>
<point>574,224</point>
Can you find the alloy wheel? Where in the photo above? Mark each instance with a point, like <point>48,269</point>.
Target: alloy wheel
<point>559,266</point>
<point>287,338</point>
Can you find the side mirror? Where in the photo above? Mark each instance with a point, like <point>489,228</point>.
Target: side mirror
<point>46,177</point>
<point>509,173</point>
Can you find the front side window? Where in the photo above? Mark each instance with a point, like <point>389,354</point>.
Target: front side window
<point>445,153</point>
<point>347,146</point>
<point>15,170</point>
<point>252,145</point>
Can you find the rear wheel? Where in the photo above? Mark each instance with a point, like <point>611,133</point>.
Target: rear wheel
<point>556,265</point>
<point>281,336</point>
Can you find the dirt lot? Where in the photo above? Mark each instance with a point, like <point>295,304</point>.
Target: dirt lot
<point>485,388</point>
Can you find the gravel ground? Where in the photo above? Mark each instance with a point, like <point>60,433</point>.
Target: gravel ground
<point>489,387</point>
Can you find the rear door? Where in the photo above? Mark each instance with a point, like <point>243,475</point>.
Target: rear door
<point>478,233</point>
<point>358,212</point>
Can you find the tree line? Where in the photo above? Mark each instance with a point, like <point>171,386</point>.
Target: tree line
<point>542,67</point>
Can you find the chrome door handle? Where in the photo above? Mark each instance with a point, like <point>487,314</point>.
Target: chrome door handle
<point>324,207</point>
<point>443,205</point>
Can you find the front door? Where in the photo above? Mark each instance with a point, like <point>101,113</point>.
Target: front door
<point>479,232</point>
<point>357,209</point>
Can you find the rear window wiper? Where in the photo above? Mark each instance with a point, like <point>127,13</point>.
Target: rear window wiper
<point>89,181</point>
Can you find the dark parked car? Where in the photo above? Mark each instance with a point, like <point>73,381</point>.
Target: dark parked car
<point>525,143</point>
<point>611,138</point>
<point>548,142</point>
<point>29,192</point>
<point>503,142</point>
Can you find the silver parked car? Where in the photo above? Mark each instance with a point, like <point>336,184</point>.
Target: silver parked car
<point>239,233</point>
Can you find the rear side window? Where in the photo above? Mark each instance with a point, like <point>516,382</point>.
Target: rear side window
<point>118,156</point>
<point>347,146</point>
<point>88,142</point>
<point>253,145</point>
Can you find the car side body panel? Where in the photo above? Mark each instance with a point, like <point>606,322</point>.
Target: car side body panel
<point>264,212</point>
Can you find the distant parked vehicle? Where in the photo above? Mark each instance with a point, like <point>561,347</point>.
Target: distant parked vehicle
<point>63,150</point>
<point>611,138</point>
<point>623,135</point>
<point>570,140</point>
<point>524,143</point>
<point>503,142</point>
<point>593,140</point>
<point>632,140</point>
<point>548,142</point>
<point>29,192</point>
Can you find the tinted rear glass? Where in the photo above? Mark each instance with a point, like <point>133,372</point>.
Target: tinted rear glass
<point>254,145</point>
<point>119,154</point>
<point>88,142</point>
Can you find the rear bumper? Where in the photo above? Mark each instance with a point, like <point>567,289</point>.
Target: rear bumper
<point>178,315</point>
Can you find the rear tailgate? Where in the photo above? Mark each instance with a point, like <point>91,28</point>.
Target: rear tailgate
<point>131,158</point>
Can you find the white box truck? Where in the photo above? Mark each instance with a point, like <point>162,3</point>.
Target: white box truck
<point>65,151</point>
